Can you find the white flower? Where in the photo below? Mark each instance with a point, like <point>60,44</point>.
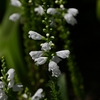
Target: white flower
<point>38,95</point>
<point>39,10</point>
<point>70,19</point>
<point>63,53</point>
<point>11,73</point>
<point>34,35</point>
<point>1,84</point>
<point>17,87</point>
<point>11,83</point>
<point>56,59</point>
<point>3,96</point>
<point>36,54</point>
<point>56,72</point>
<point>72,11</point>
<point>14,17</point>
<point>40,60</point>
<point>16,3</point>
<point>54,68</point>
<point>51,11</point>
<point>46,46</point>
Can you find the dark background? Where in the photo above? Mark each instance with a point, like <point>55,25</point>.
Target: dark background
<point>86,43</point>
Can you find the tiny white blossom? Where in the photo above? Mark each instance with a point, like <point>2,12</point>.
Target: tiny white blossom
<point>34,35</point>
<point>14,17</point>
<point>1,84</point>
<point>70,19</point>
<point>54,68</point>
<point>40,60</point>
<point>73,11</point>
<point>16,3</point>
<point>38,95</point>
<point>63,53</point>
<point>3,96</point>
<point>17,87</point>
<point>39,10</point>
<point>51,11</point>
<point>36,54</point>
<point>11,73</point>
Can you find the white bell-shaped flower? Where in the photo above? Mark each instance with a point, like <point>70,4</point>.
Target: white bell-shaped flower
<point>51,11</point>
<point>54,68</point>
<point>34,35</point>
<point>63,53</point>
<point>14,17</point>
<point>56,72</point>
<point>40,60</point>
<point>52,65</point>
<point>73,11</point>
<point>16,3</point>
<point>39,10</point>
<point>36,54</point>
<point>11,73</point>
<point>70,19</point>
<point>38,95</point>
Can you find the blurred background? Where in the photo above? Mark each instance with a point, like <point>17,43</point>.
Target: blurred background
<point>85,42</point>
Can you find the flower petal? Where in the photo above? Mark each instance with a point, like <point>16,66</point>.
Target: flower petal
<point>36,54</point>
<point>51,11</point>
<point>38,95</point>
<point>63,53</point>
<point>40,60</point>
<point>34,35</point>
<point>54,68</point>
<point>14,17</point>
<point>11,73</point>
<point>70,19</point>
<point>73,11</point>
<point>16,3</point>
<point>39,10</point>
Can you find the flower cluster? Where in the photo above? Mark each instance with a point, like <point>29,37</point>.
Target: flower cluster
<point>11,83</point>
<point>38,56</point>
<point>68,15</point>
<point>6,85</point>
